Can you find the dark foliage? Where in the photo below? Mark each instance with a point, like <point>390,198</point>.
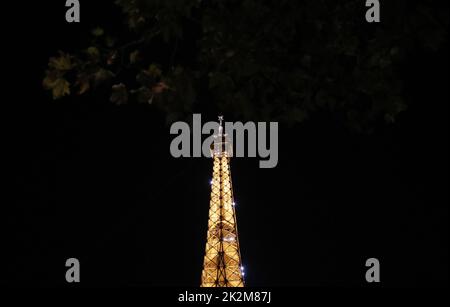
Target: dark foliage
<point>270,60</point>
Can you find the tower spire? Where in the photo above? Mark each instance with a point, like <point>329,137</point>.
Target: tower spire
<point>222,265</point>
<point>220,125</point>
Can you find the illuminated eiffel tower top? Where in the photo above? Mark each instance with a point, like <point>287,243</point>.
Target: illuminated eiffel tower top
<point>221,146</point>
<point>222,265</point>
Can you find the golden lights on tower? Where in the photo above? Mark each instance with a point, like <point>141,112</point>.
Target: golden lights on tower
<point>222,265</point>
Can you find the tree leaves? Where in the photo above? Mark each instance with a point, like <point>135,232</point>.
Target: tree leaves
<point>58,85</point>
<point>98,31</point>
<point>93,53</point>
<point>119,94</point>
<point>134,57</point>
<point>83,82</point>
<point>150,76</point>
<point>143,95</point>
<point>102,75</point>
<point>153,71</point>
<point>54,79</point>
<point>277,60</point>
<point>159,87</point>
<point>62,62</point>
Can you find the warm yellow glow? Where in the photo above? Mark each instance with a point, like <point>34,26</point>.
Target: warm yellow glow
<point>222,262</point>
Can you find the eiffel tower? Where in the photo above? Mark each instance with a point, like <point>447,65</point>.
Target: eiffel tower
<point>222,265</point>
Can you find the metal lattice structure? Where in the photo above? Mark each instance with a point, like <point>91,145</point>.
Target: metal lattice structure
<point>222,265</point>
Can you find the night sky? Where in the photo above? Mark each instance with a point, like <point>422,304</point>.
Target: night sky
<point>97,182</point>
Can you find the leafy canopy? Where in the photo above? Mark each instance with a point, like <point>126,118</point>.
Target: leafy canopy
<point>261,60</point>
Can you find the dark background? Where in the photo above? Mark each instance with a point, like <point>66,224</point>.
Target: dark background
<point>96,182</point>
